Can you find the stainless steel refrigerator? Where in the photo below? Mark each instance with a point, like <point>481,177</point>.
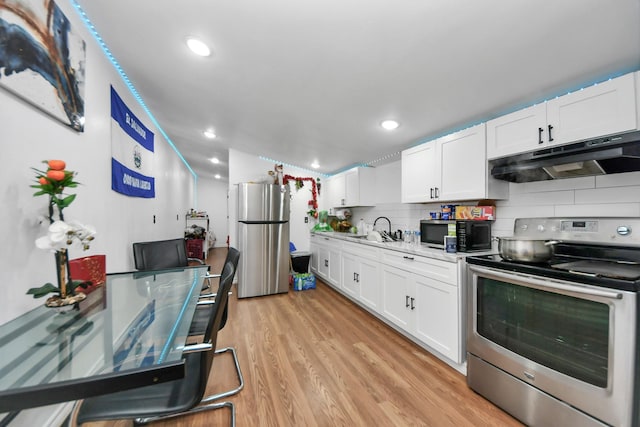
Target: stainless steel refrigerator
<point>263,239</point>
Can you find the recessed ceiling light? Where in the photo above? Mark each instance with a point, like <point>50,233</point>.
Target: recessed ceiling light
<point>217,176</point>
<point>198,47</point>
<point>215,160</point>
<point>315,165</point>
<point>389,124</point>
<point>209,133</point>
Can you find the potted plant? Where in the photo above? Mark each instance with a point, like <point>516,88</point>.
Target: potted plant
<point>61,234</point>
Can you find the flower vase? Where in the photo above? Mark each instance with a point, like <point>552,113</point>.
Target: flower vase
<point>67,295</point>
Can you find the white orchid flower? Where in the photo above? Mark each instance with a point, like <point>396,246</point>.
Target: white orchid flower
<point>44,242</point>
<point>58,233</point>
<point>61,235</point>
<point>83,231</point>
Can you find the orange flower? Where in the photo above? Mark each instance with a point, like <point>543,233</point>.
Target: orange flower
<point>57,165</point>
<point>55,175</point>
<point>43,181</point>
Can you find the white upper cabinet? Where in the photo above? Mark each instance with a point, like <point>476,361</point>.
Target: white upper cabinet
<point>419,175</point>
<point>602,109</point>
<point>450,168</point>
<point>335,190</point>
<point>355,187</point>
<point>517,132</point>
<point>463,165</point>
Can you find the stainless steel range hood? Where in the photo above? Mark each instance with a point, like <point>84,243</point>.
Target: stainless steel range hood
<point>601,156</point>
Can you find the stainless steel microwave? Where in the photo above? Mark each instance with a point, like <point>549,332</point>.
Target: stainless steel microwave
<point>470,235</point>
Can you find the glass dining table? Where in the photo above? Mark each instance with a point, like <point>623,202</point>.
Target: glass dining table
<point>128,333</point>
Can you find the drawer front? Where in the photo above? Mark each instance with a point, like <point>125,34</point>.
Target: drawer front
<point>326,241</point>
<point>436,269</point>
<point>360,250</point>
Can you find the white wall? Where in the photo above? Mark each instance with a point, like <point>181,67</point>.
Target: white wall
<point>29,136</point>
<point>245,167</point>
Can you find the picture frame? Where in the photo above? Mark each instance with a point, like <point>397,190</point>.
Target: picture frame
<point>42,60</point>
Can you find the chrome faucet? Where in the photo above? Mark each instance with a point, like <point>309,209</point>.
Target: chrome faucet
<point>388,220</point>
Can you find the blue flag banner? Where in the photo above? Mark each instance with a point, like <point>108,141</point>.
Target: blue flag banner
<point>131,152</point>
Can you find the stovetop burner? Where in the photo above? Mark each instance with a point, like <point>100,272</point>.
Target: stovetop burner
<point>610,269</point>
<point>597,251</point>
<point>591,272</point>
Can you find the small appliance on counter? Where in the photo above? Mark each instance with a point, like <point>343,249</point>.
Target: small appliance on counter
<point>470,235</point>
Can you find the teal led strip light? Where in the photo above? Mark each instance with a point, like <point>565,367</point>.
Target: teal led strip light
<point>126,80</point>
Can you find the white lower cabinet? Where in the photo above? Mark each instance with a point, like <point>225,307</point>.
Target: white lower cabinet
<point>424,306</point>
<point>397,291</point>
<point>360,278</point>
<point>436,316</point>
<point>325,259</point>
<point>419,295</point>
<point>350,271</point>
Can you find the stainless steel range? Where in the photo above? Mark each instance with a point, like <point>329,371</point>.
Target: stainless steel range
<point>555,343</point>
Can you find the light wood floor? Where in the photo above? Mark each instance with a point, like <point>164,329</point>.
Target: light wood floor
<point>313,358</point>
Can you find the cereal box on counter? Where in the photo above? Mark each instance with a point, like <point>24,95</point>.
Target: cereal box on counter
<point>480,213</point>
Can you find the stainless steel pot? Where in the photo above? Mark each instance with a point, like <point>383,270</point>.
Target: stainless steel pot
<point>525,250</point>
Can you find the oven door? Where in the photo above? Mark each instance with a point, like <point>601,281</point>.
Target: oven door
<point>574,342</point>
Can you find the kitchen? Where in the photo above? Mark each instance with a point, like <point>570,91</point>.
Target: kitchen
<point>112,215</point>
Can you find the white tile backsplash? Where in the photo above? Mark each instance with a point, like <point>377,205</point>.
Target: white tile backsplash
<point>525,211</point>
<point>608,195</point>
<point>557,185</point>
<point>605,209</point>
<point>613,195</point>
<point>519,198</point>
<point>618,180</point>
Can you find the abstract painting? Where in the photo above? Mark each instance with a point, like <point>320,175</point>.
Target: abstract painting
<point>42,60</point>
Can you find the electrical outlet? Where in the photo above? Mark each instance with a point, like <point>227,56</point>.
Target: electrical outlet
<point>306,219</point>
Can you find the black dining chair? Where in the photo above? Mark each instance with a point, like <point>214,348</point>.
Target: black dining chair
<point>199,323</point>
<point>173,398</point>
<point>162,254</point>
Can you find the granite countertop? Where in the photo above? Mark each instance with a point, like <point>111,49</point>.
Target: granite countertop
<point>422,249</point>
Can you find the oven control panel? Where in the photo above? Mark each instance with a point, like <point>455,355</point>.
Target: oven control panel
<point>623,231</point>
<point>579,226</point>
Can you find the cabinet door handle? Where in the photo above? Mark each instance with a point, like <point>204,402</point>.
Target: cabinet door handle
<point>540,130</point>
<point>406,300</point>
<point>326,263</point>
<point>550,137</point>
<point>437,193</point>
<point>354,276</point>
<point>412,305</point>
<point>357,277</point>
<point>431,193</point>
<point>410,258</point>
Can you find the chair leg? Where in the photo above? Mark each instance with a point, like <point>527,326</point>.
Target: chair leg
<point>200,408</point>
<point>209,402</point>
<point>236,390</point>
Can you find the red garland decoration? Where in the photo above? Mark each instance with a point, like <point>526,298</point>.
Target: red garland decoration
<point>314,190</point>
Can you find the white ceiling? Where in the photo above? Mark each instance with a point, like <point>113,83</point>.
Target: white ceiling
<point>304,80</point>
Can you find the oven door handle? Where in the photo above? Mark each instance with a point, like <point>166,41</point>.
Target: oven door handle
<point>548,283</point>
